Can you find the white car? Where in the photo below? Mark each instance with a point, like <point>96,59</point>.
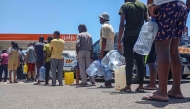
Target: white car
<point>69,62</point>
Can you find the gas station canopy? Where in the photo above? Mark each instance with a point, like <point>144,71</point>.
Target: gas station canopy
<point>24,39</point>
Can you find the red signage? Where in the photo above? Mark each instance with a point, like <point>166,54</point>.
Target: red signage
<point>65,37</point>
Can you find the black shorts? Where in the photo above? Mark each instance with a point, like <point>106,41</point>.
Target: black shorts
<point>152,55</point>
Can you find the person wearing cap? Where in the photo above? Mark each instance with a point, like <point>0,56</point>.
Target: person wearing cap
<point>134,13</point>
<point>84,53</point>
<point>39,56</point>
<point>57,47</point>
<point>30,61</point>
<point>47,59</point>
<point>106,41</point>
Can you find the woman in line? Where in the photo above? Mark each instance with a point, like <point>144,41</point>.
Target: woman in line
<point>13,61</point>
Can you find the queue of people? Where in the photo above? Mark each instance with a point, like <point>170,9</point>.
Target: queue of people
<point>171,18</point>
<point>37,55</point>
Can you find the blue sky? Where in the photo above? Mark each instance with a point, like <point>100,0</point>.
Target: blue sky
<point>46,16</point>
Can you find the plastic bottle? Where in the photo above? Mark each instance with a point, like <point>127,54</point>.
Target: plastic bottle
<point>100,71</point>
<point>147,70</point>
<point>108,74</point>
<point>111,59</point>
<point>93,68</point>
<point>146,37</point>
<point>122,61</point>
<point>42,73</point>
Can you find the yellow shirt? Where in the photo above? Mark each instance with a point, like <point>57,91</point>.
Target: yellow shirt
<point>107,32</point>
<point>48,52</point>
<point>57,47</point>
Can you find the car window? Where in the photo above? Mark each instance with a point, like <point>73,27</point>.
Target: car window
<point>96,46</point>
<point>185,41</point>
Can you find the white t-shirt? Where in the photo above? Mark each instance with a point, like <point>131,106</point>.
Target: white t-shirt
<point>159,2</point>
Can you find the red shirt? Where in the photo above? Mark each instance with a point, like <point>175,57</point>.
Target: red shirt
<point>4,58</point>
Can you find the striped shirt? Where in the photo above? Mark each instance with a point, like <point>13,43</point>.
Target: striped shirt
<point>159,2</point>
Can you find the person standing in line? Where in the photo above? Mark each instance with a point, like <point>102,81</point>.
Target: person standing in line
<point>20,68</point>
<point>171,16</point>
<point>84,53</point>
<point>134,13</point>
<point>30,61</point>
<point>23,56</point>
<point>57,47</point>
<point>47,59</point>
<point>4,65</point>
<point>151,61</point>
<point>39,50</point>
<point>106,41</point>
<point>13,61</point>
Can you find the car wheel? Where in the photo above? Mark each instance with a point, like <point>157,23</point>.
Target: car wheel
<point>185,76</point>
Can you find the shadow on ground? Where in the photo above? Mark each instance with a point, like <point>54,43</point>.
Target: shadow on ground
<point>164,104</point>
<point>118,92</point>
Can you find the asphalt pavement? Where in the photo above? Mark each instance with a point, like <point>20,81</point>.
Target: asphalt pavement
<point>27,96</point>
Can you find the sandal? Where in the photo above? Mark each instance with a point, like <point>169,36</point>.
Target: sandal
<point>37,84</point>
<point>15,82</point>
<point>150,98</point>
<point>150,88</point>
<point>126,90</point>
<point>139,90</point>
<point>83,85</point>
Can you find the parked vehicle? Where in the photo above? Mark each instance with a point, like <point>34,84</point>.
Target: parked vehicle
<point>185,42</point>
<point>70,62</point>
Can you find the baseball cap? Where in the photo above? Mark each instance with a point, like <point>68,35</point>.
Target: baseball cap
<point>49,38</point>
<point>105,16</point>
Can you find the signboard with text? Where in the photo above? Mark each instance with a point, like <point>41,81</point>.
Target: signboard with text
<point>11,37</point>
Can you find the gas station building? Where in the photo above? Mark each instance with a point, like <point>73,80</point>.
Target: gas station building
<point>24,39</point>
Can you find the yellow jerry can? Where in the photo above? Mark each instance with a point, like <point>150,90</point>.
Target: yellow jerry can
<point>69,78</point>
<point>25,69</point>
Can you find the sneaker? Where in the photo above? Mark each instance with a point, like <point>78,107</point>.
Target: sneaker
<point>60,84</point>
<point>46,84</point>
<point>33,80</point>
<point>53,84</point>
<point>93,84</point>
<point>28,80</point>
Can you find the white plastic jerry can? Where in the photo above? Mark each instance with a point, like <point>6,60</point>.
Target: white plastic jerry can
<point>120,77</point>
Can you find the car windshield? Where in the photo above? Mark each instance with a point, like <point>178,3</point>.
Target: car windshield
<point>66,55</point>
<point>185,41</point>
